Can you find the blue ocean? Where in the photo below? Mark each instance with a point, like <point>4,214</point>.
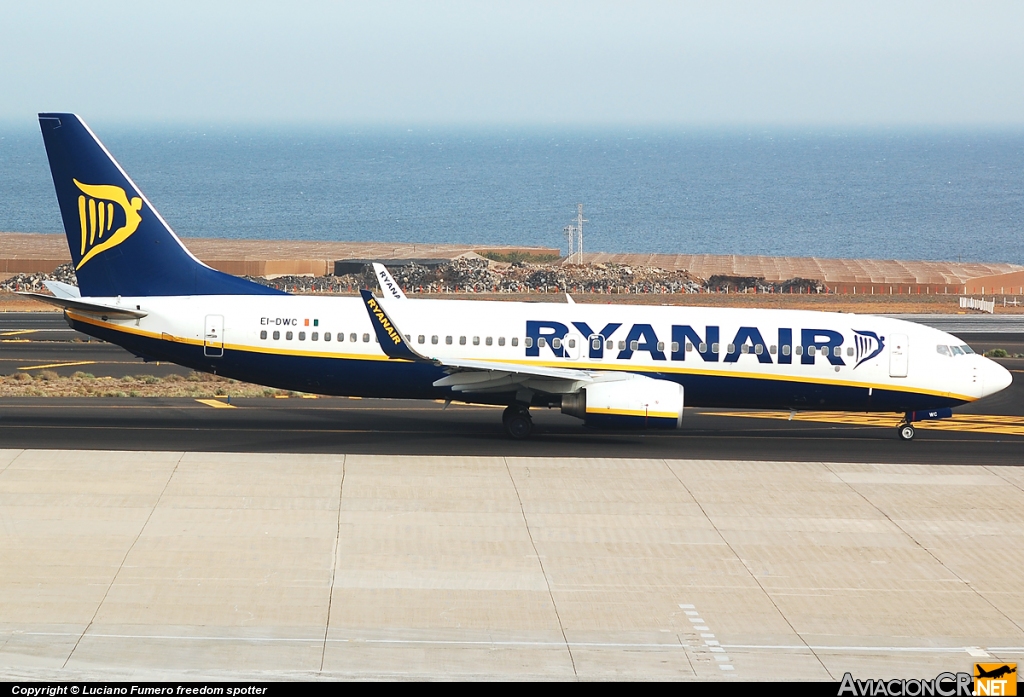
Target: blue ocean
<point>879,194</point>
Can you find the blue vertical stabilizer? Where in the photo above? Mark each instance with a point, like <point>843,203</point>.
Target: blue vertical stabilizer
<point>119,243</point>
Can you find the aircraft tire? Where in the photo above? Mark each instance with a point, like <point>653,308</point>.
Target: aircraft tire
<point>905,431</point>
<point>518,424</point>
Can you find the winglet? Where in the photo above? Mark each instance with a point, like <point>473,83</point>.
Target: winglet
<point>390,338</point>
<point>388,286</point>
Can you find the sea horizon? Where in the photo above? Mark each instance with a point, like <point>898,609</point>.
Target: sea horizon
<point>893,193</point>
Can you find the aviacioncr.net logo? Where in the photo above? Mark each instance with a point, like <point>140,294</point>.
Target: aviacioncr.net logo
<point>98,209</point>
<point>942,685</point>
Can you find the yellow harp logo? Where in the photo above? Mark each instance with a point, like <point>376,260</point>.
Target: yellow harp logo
<point>96,213</point>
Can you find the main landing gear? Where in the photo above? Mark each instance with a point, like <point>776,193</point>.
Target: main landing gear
<point>905,431</point>
<point>517,421</point>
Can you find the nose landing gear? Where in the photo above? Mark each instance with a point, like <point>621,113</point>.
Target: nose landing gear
<point>517,421</point>
<point>905,431</point>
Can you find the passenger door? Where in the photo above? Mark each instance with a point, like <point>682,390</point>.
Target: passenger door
<point>213,336</point>
<point>899,355</point>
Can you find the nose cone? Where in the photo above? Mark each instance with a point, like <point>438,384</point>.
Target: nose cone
<point>996,377</point>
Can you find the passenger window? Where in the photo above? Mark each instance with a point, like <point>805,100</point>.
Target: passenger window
<point>633,345</point>
<point>263,334</point>
<point>556,343</point>
<point>501,341</point>
<point>622,345</point>
<point>661,345</point>
<point>759,349</point>
<point>433,339</point>
<point>327,336</point>
<point>786,350</point>
<point>366,338</point>
<point>421,339</point>
<point>314,336</point>
<point>849,350</point>
<point>572,343</point>
<point>288,336</point>
<point>448,340</point>
<point>476,341</point>
<point>542,342</point>
<point>527,342</point>
<point>771,349</point>
<point>675,346</point>
<point>611,345</point>
<point>489,341</point>
<point>352,338</point>
<point>595,344</point>
<point>689,347</point>
<point>302,336</point>
<point>703,348</point>
<point>277,335</point>
<point>408,338</point>
<point>810,350</point>
<point>798,350</point>
<point>714,347</point>
<point>515,341</point>
<point>943,350</point>
<point>462,341</point>
<point>744,349</point>
<point>731,348</point>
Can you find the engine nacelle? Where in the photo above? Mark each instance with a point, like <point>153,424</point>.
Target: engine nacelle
<point>637,402</point>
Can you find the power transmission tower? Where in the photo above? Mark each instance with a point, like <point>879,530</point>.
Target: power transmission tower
<point>574,236</point>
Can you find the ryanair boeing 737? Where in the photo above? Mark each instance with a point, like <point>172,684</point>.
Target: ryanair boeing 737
<point>611,366</point>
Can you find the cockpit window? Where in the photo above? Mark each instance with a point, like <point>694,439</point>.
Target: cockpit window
<point>967,349</point>
<point>943,350</point>
<point>957,351</point>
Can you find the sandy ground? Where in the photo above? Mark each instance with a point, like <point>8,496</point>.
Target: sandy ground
<point>47,383</point>
<point>860,304</point>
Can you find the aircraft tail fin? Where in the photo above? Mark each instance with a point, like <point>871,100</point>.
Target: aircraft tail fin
<point>119,243</point>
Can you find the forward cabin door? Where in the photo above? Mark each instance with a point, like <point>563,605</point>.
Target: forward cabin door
<point>899,354</point>
<point>213,337</point>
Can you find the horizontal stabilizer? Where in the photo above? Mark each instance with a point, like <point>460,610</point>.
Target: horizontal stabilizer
<point>88,308</point>
<point>63,290</point>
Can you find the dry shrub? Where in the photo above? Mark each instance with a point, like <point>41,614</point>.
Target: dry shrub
<point>21,377</point>
<point>174,377</point>
<point>47,375</point>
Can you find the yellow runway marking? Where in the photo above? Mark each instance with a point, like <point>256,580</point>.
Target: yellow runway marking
<point>215,403</point>
<point>56,365</point>
<point>20,331</point>
<point>978,423</point>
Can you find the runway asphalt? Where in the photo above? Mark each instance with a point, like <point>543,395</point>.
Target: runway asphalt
<point>399,427</point>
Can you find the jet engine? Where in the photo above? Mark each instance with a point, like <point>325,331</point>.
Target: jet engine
<point>636,402</point>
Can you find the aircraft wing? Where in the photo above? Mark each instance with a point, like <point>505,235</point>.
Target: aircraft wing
<point>88,307</point>
<point>388,285</point>
<point>473,375</point>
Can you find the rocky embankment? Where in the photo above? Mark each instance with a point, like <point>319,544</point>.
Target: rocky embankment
<point>483,276</point>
